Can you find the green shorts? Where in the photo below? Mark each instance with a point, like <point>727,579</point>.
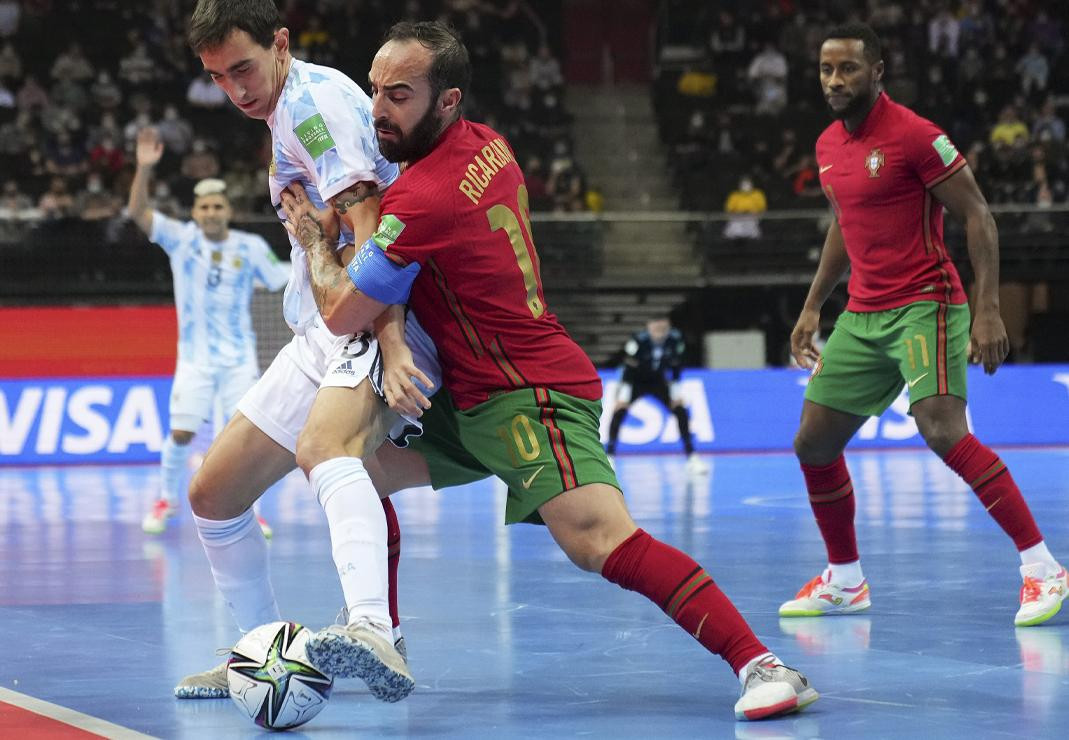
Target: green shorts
<point>871,355</point>
<point>540,442</point>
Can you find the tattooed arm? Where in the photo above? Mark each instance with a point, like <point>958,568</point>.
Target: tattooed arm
<point>344,309</point>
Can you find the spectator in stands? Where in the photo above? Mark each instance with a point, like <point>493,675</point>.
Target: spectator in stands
<point>10,10</point>
<point>107,158</point>
<point>175,132</point>
<point>537,188</point>
<point>544,71</point>
<point>106,127</point>
<point>96,202</point>
<point>1034,71</point>
<point>203,93</point>
<point>13,201</point>
<point>768,74</point>
<point>166,202</point>
<point>69,95</point>
<point>1047,33</point>
<point>65,157</point>
<point>1040,221</point>
<point>10,63</point>
<point>73,64</point>
<point>943,34</point>
<point>315,39</point>
<point>137,68</point>
<point>1010,131</point>
<point>748,200</point>
<point>31,96</point>
<point>129,131</point>
<point>56,202</point>
<point>201,162</point>
<point>105,92</point>
<point>7,98</point>
<point>1048,126</point>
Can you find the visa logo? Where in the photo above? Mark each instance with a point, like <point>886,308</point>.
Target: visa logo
<point>78,419</point>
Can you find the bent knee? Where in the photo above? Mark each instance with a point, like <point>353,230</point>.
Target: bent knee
<point>203,497</point>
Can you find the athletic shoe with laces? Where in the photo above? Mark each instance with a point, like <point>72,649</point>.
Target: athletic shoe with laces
<point>1042,593</point>
<point>264,527</point>
<point>359,650</point>
<point>772,689</point>
<point>820,597</point>
<point>156,520</point>
<point>211,684</point>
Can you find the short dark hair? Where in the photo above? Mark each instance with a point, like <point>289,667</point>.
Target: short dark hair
<point>862,32</point>
<point>214,20</point>
<point>451,65</point>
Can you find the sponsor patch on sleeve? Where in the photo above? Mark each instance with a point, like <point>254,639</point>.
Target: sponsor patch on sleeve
<point>314,136</point>
<point>390,227</point>
<point>945,149</point>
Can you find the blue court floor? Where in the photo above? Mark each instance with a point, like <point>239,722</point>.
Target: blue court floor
<point>507,639</point>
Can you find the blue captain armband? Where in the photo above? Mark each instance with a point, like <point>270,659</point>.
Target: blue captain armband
<point>379,277</point>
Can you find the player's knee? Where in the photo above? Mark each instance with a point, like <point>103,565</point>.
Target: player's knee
<point>940,437</point>
<point>313,449</point>
<point>204,498</point>
<point>589,542</point>
<point>181,436</point>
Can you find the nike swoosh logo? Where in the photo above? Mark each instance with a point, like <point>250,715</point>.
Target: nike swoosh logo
<point>698,632</point>
<point>526,482</point>
<point>825,168</point>
<point>917,379</point>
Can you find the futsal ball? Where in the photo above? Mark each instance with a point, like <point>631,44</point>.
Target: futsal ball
<point>271,679</point>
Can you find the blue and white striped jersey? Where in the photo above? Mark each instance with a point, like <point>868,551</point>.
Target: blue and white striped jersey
<point>213,284</point>
<point>322,136</point>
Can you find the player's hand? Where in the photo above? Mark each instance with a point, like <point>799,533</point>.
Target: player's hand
<point>149,147</point>
<point>308,225</point>
<point>988,343</point>
<point>402,394</point>
<point>802,347</point>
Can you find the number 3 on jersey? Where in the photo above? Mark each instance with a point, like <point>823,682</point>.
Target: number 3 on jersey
<point>501,216</point>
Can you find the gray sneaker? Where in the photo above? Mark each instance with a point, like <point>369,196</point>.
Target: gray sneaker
<point>772,689</point>
<point>359,651</point>
<point>399,644</point>
<point>210,684</point>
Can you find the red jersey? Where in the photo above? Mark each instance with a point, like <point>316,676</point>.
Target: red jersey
<point>879,179</point>
<point>462,213</point>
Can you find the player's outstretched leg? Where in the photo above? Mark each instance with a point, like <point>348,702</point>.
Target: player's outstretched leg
<point>1045,582</point>
<point>592,525</point>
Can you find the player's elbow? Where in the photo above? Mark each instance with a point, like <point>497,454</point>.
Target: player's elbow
<point>347,317</point>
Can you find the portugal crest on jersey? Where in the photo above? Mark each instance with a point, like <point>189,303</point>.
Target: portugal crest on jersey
<point>874,162</point>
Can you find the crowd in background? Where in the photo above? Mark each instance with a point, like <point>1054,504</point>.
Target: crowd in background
<point>79,78</point>
<point>739,96</point>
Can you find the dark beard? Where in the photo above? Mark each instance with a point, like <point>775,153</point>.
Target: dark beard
<point>853,109</point>
<point>414,145</point>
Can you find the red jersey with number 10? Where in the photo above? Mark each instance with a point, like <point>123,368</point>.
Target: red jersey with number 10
<point>879,179</point>
<point>462,213</point>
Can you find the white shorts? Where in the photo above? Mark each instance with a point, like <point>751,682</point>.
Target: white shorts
<point>279,403</point>
<point>196,389</point>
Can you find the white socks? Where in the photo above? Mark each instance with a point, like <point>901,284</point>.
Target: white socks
<point>756,661</point>
<point>357,537</point>
<point>1039,554</point>
<point>846,574</point>
<point>173,461</point>
<point>237,552</point>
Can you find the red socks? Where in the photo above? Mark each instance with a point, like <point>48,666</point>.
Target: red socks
<point>992,483</point>
<point>686,593</point>
<point>831,494</point>
<point>393,548</point>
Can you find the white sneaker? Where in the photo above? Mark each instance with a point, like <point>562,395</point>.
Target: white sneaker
<point>211,684</point>
<point>1042,594</point>
<point>696,466</point>
<point>772,689</point>
<point>819,597</point>
<point>359,651</point>
<point>156,520</point>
